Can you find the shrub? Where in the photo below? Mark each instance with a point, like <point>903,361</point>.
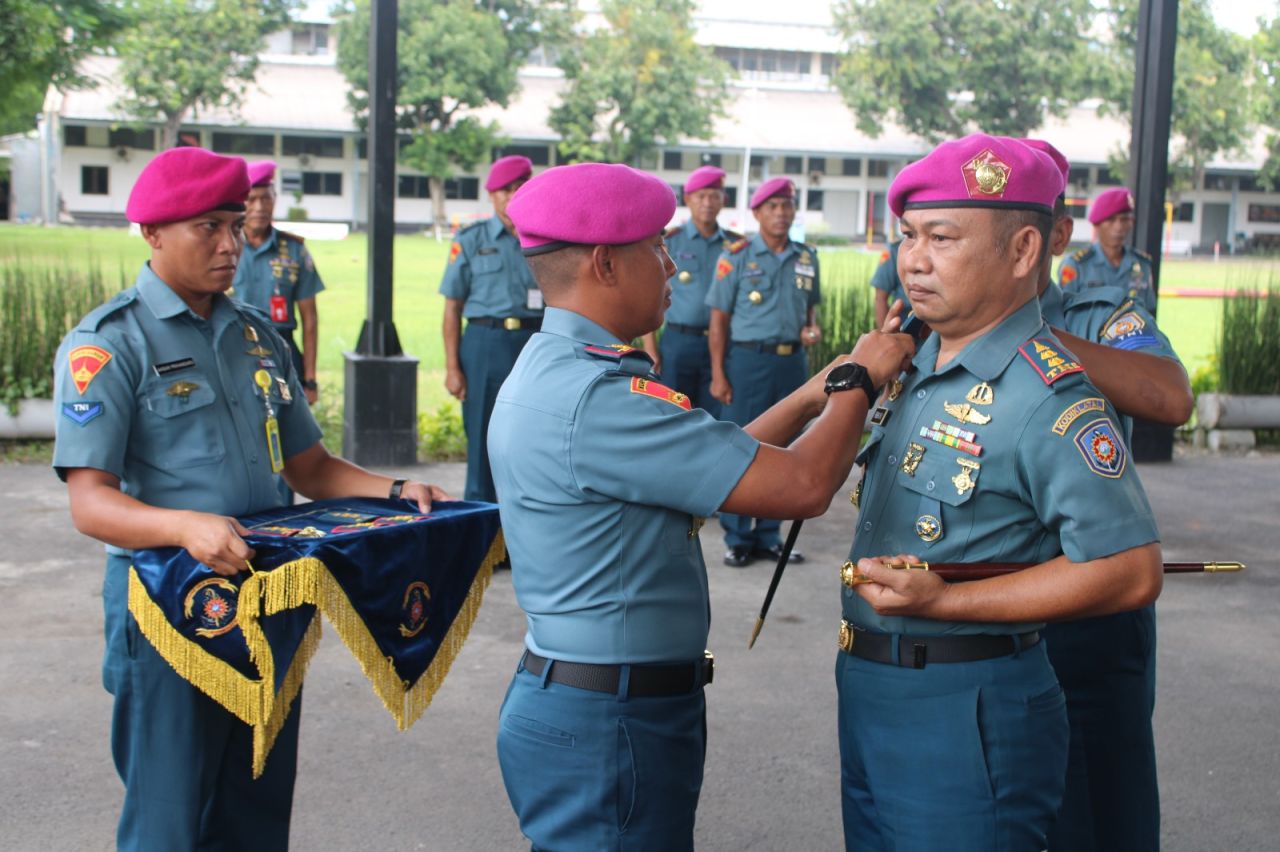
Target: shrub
<point>1249,348</point>
<point>847,312</point>
<point>440,435</point>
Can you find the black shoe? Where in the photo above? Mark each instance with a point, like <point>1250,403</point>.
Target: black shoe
<point>775,553</point>
<point>739,556</point>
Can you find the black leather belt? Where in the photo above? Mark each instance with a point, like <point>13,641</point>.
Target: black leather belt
<point>914,652</point>
<point>508,323</point>
<point>695,330</point>
<point>786,347</point>
<point>646,681</point>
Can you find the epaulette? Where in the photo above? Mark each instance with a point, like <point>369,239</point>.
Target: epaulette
<point>627,359</point>
<point>1142,254</point>
<point>94,318</point>
<point>1083,253</point>
<point>292,236</point>
<point>738,246</point>
<point>462,229</point>
<point>1048,359</point>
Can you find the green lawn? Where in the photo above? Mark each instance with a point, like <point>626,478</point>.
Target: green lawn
<point>1192,324</point>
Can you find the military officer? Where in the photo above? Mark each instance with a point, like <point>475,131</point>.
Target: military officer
<point>764,301</point>
<point>994,447</point>
<point>277,275</point>
<point>1106,665</point>
<point>683,360</point>
<point>1110,261</point>
<point>887,284</point>
<point>603,476</point>
<point>488,283</point>
<point>178,408</point>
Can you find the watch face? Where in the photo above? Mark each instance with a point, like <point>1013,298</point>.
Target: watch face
<point>842,377</point>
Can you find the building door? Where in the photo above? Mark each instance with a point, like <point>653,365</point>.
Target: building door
<point>1213,227</point>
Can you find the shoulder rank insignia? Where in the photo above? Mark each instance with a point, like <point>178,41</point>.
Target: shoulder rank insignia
<point>1083,253</point>
<point>723,267</point>
<point>739,246</point>
<point>455,249</point>
<point>1042,354</point>
<point>629,360</point>
<point>1102,449</point>
<point>86,362</point>
<point>1067,275</point>
<point>648,387</point>
<point>1076,410</point>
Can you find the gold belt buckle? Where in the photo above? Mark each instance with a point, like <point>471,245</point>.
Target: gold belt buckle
<point>511,323</point>
<point>785,349</point>
<point>846,636</point>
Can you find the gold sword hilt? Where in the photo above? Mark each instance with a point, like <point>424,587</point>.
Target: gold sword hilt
<point>850,577</point>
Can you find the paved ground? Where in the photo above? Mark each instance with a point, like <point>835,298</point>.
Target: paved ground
<point>771,779</point>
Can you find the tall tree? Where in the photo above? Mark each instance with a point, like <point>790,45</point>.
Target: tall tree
<point>637,83</point>
<point>185,55</point>
<point>41,42</point>
<point>1213,109</point>
<point>1266,50</point>
<point>944,69</point>
<point>453,56</point>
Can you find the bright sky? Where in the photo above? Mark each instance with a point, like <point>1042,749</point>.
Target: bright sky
<point>1242,15</point>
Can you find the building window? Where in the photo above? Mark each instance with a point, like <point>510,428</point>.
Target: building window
<point>322,183</point>
<point>1217,181</point>
<point>672,161</point>
<point>1266,213</point>
<point>829,65</point>
<point>413,186</point>
<point>73,136</point>
<point>814,201</point>
<point>1250,183</point>
<point>818,165</point>
<point>1078,207</point>
<point>850,167</point>
<point>244,144</point>
<point>465,189</point>
<point>1184,212</point>
<point>539,155</point>
<point>1106,178</point>
<point>310,40</point>
<point>188,138</point>
<point>792,165</point>
<point>730,196</point>
<point>312,146</point>
<point>711,160</point>
<point>128,137</point>
<point>878,168</point>
<point>1078,176</point>
<point>93,180</point>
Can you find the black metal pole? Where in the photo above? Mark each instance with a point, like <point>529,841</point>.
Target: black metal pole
<point>1149,167</point>
<point>380,413</point>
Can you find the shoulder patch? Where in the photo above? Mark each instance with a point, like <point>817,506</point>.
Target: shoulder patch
<point>1075,411</point>
<point>648,387</point>
<point>1067,274</point>
<point>1126,305</point>
<point>94,318</point>
<point>455,249</point>
<point>723,267</point>
<point>884,256</point>
<point>1123,326</point>
<point>1043,355</point>
<point>1103,451</point>
<point>738,246</point>
<point>85,362</point>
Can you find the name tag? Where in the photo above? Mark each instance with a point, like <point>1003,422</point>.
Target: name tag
<point>488,250</point>
<point>173,366</point>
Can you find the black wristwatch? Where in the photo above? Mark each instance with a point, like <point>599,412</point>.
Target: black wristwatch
<point>848,376</point>
<point>310,384</point>
<point>395,489</point>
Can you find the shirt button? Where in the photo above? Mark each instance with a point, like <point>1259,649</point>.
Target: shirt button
<point>921,394</point>
<point>929,487</point>
<point>893,460</point>
<point>253,459</point>
<point>867,526</point>
<point>235,401</point>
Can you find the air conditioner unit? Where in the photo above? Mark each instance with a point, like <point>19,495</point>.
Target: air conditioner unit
<point>122,153</point>
<point>304,160</point>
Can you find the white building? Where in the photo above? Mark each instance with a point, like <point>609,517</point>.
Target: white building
<point>784,119</point>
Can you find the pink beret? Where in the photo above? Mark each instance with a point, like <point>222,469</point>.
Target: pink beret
<point>1059,159</point>
<point>1110,203</point>
<point>703,177</point>
<point>978,171</point>
<point>184,182</point>
<point>506,171</point>
<point>779,186</point>
<point>590,204</point>
<point>261,172</point>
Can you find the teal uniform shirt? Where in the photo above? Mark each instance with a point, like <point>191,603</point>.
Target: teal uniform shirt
<point>1026,463</point>
<point>1089,268</point>
<point>487,272</point>
<point>886,277</point>
<point>767,295</point>
<point>695,258</point>
<point>282,267</point>
<point>603,477</point>
<point>152,393</point>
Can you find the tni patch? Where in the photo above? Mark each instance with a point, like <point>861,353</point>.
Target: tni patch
<point>81,413</point>
<point>1102,449</point>
<point>648,387</point>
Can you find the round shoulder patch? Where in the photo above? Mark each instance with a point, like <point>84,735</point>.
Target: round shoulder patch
<point>1102,448</point>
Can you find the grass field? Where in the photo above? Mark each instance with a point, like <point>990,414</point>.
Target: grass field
<point>1191,323</point>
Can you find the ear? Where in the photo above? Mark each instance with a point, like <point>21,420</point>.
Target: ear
<point>604,261</point>
<point>1062,231</point>
<point>1026,246</point>
<point>151,233</point>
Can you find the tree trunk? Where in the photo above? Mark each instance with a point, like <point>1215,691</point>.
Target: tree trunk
<point>172,124</point>
<point>439,223</point>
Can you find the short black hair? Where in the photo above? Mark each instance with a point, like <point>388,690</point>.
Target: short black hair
<point>1009,222</point>
<point>555,270</point>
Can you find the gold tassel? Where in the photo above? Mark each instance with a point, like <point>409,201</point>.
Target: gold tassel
<point>264,735</point>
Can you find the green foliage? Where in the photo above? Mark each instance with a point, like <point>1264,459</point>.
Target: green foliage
<point>186,55</point>
<point>1266,52</point>
<point>40,44</point>
<point>943,69</point>
<point>848,311</point>
<point>440,434</point>
<point>38,306</point>
<point>637,83</point>
<point>1204,379</point>
<point>1212,91</point>
<point>1249,348</point>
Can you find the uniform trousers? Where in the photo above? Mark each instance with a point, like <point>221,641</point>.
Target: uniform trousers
<point>758,379</point>
<point>186,762</point>
<point>597,772</point>
<point>686,366</point>
<point>955,756</point>
<point>1107,668</point>
<point>487,356</point>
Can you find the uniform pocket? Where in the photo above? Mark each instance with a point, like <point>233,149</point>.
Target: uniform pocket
<point>626,777</point>
<point>541,732</point>
<point>486,264</point>
<point>181,425</point>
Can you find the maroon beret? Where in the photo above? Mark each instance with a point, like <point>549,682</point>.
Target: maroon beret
<point>1110,203</point>
<point>779,186</point>
<point>703,177</point>
<point>184,182</point>
<point>978,171</point>
<point>506,171</point>
<point>262,172</point>
<point>590,204</point>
